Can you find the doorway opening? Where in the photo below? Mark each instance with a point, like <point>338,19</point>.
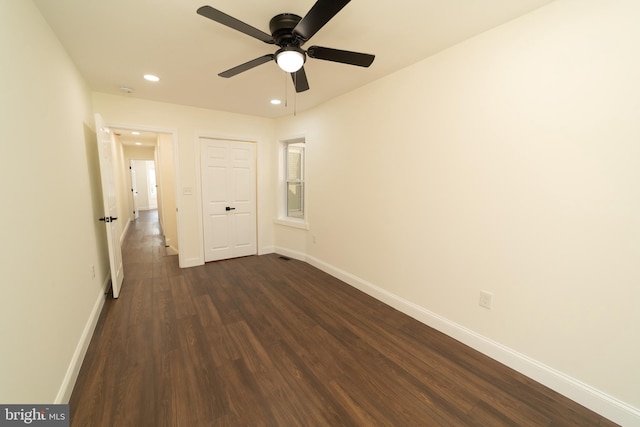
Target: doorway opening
<point>144,187</point>
<point>147,178</point>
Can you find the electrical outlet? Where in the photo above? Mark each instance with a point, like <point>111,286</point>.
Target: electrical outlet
<point>314,239</point>
<point>93,271</point>
<point>486,299</point>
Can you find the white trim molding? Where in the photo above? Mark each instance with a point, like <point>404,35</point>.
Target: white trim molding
<point>266,250</point>
<point>584,394</point>
<point>70,377</point>
<point>190,262</point>
<point>125,231</point>
<point>299,256</point>
<point>295,223</point>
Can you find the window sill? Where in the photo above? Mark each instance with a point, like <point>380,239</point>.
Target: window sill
<point>290,222</point>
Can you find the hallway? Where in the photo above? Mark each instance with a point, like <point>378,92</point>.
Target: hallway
<point>269,341</point>
<point>118,372</point>
<point>143,253</point>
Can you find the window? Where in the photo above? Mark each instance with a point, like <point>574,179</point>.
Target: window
<point>294,165</point>
<point>292,188</point>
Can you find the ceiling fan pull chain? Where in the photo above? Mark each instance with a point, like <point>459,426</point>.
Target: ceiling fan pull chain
<point>286,92</point>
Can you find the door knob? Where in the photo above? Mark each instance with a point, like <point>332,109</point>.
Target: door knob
<point>229,209</point>
<point>113,218</point>
<point>103,219</point>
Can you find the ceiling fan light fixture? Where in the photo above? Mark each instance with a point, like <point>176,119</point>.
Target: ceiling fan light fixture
<point>289,32</point>
<point>290,58</point>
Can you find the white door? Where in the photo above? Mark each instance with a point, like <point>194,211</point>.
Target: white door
<point>134,188</point>
<point>105,143</point>
<point>151,184</point>
<point>228,198</point>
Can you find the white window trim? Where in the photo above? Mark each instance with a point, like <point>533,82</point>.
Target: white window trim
<point>282,218</point>
<point>292,222</point>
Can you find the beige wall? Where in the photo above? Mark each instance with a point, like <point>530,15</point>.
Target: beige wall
<point>189,123</point>
<point>508,163</point>
<point>50,192</point>
<point>167,190</point>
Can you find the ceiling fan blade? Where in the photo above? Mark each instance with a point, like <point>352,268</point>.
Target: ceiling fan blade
<point>247,66</point>
<point>231,22</point>
<point>300,80</point>
<point>343,56</point>
<point>321,13</point>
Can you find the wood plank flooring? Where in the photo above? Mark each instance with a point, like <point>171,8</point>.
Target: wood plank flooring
<point>264,341</point>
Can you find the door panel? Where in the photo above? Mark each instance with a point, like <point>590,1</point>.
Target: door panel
<point>105,150</point>
<point>219,239</point>
<point>134,189</point>
<point>229,198</point>
<point>243,238</point>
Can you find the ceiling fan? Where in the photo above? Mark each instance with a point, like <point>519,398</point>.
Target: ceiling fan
<point>290,32</point>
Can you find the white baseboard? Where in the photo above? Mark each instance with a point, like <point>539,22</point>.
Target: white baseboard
<point>589,397</point>
<point>266,250</point>
<point>106,283</point>
<point>69,381</point>
<point>189,262</point>
<point>125,231</point>
<point>299,256</point>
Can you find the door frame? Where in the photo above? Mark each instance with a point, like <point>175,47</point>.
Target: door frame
<point>176,181</point>
<point>198,189</point>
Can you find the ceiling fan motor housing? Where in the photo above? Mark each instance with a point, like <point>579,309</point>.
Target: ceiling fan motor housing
<point>281,27</point>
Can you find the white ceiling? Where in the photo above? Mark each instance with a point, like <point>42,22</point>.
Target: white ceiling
<point>136,137</point>
<point>115,42</point>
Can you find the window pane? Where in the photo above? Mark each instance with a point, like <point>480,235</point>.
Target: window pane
<point>295,201</point>
<point>294,179</point>
<point>294,163</point>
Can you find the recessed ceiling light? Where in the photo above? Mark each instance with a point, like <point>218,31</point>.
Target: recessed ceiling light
<point>276,102</point>
<point>151,78</point>
<point>138,143</point>
<point>135,132</point>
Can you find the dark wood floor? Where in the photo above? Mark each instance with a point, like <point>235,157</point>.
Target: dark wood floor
<point>264,341</point>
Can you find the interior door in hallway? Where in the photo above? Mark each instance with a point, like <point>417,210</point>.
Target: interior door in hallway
<point>109,197</point>
<point>134,188</point>
<point>228,171</point>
